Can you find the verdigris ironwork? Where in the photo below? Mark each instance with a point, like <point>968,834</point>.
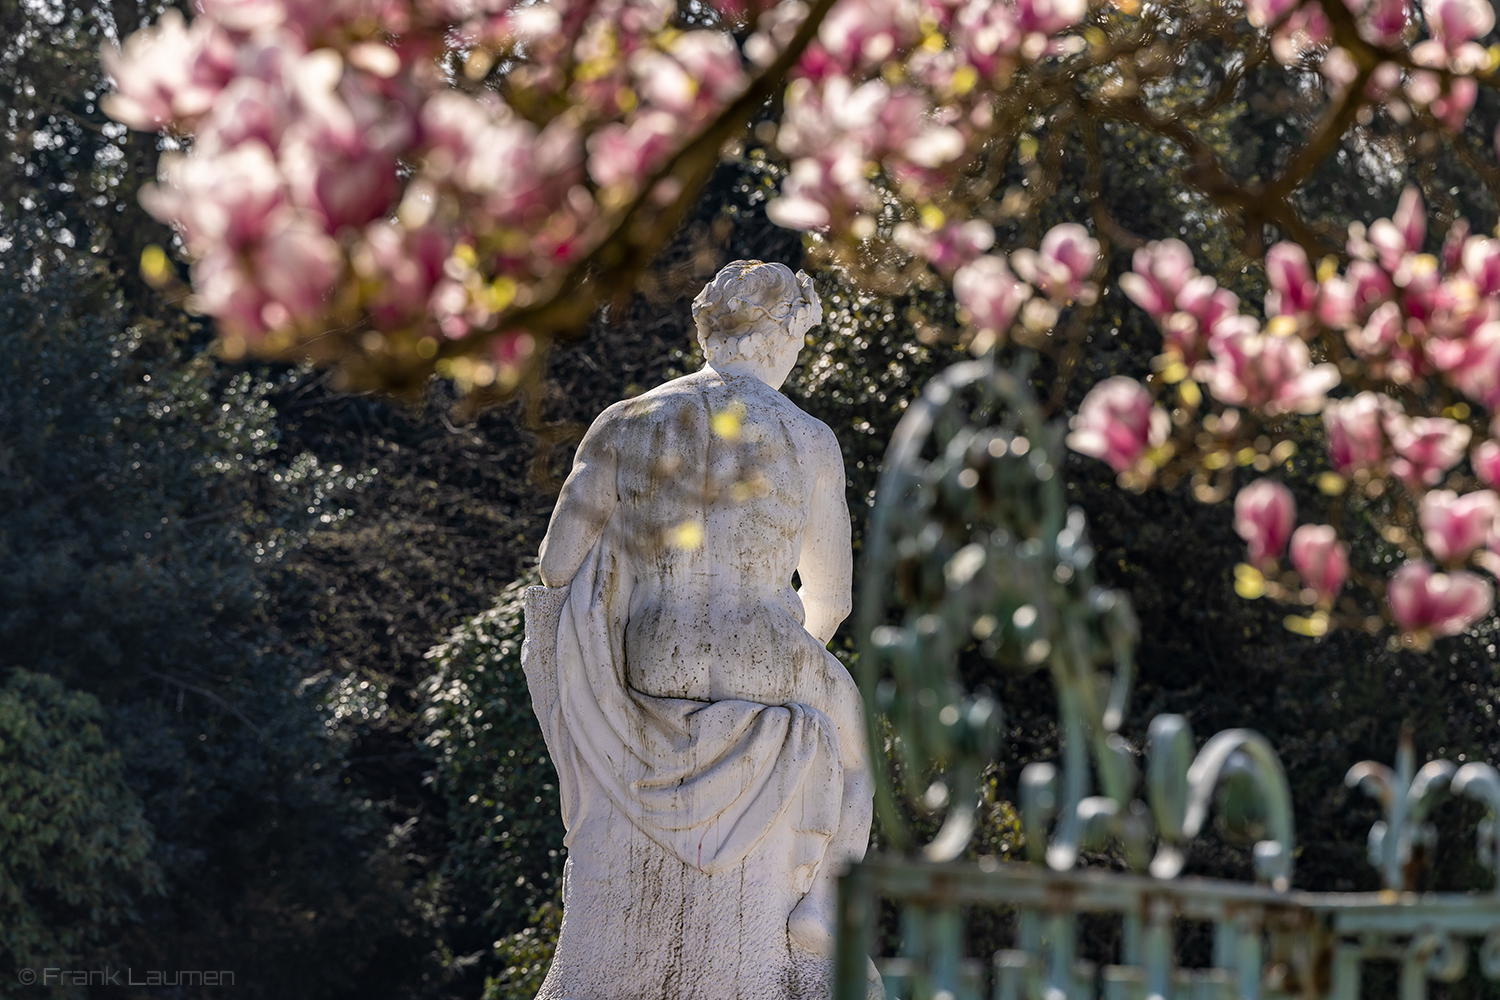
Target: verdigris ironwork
<point>971,542</point>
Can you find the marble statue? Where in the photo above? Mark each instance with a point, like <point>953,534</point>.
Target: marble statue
<point>711,752</point>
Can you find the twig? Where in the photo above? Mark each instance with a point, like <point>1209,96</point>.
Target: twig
<point>211,696</point>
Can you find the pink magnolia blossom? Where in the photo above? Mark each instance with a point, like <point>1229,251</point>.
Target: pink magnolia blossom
<point>1381,22</point>
<point>621,154</point>
<point>479,145</point>
<point>988,35</point>
<point>1201,306</point>
<point>244,15</point>
<point>1117,422</point>
<point>1294,289</point>
<point>1481,264</point>
<point>1356,433</point>
<point>1420,283</point>
<point>806,194</point>
<point>1454,22</point>
<point>1306,31</point>
<point>1454,240</point>
<point>1452,311</point>
<point>340,153</point>
<point>249,109</point>
<point>169,73</point>
<point>664,82</point>
<point>1486,461</point>
<point>218,201</point>
<point>832,130</point>
<point>1449,101</point>
<point>1048,17</point>
<point>1453,107</point>
<point>1453,525</point>
<point>1472,363</point>
<point>1378,336</point>
<point>1438,604</point>
<point>1336,302</point>
<point>1347,301</point>
<point>1339,70</point>
<point>313,119</point>
<point>852,112</point>
<point>933,147</point>
<point>1203,299</point>
<point>1426,447</point>
<point>950,247</point>
<point>1161,269</point>
<point>404,265</point>
<point>1264,515</point>
<point>861,33</point>
<point>1187,306</point>
<point>297,265</point>
<point>712,61</point>
<point>1261,13</point>
<point>1270,372</point>
<point>1320,559</point>
<point>1182,335</point>
<point>1392,239</point>
<point>989,293</point>
<point>1061,268</point>
<point>223,288</point>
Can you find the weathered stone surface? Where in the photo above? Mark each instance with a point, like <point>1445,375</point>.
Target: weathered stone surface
<point>710,750</point>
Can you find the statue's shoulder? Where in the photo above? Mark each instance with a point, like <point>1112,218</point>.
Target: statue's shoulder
<point>825,442</point>
<point>819,441</point>
<point>661,403</point>
<point>794,415</point>
<point>667,398</point>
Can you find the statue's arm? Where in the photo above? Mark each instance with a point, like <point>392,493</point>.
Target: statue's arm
<point>827,565</point>
<point>587,500</point>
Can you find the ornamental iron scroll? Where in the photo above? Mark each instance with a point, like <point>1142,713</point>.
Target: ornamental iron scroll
<point>971,544</point>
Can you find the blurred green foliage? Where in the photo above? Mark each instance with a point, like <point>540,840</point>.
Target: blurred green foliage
<point>524,957</point>
<point>492,768</point>
<point>142,505</point>
<point>75,849</point>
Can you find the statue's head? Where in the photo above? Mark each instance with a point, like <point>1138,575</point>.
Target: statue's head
<point>752,318</point>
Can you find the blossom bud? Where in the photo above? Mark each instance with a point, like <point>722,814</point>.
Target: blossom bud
<point>990,293</point>
<point>1321,560</point>
<point>1426,447</point>
<point>1486,459</point>
<point>1161,269</point>
<point>1294,289</point>
<point>1263,12</point>
<point>1453,22</point>
<point>1275,373</point>
<point>1383,20</point>
<point>1264,514</point>
<point>1117,422</point>
<point>1453,525</point>
<point>1401,234</point>
<point>1356,435</point>
<point>1438,604</point>
<point>1481,262</point>
<point>1061,267</point>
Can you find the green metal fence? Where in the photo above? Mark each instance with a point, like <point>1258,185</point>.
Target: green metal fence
<point>971,541</point>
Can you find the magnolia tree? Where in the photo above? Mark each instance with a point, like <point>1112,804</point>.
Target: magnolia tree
<point>1413,339</point>
<point>397,188</point>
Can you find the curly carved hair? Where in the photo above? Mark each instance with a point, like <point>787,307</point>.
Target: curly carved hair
<point>732,310</point>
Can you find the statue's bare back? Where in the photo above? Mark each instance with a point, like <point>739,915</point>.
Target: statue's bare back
<point>714,512</point>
